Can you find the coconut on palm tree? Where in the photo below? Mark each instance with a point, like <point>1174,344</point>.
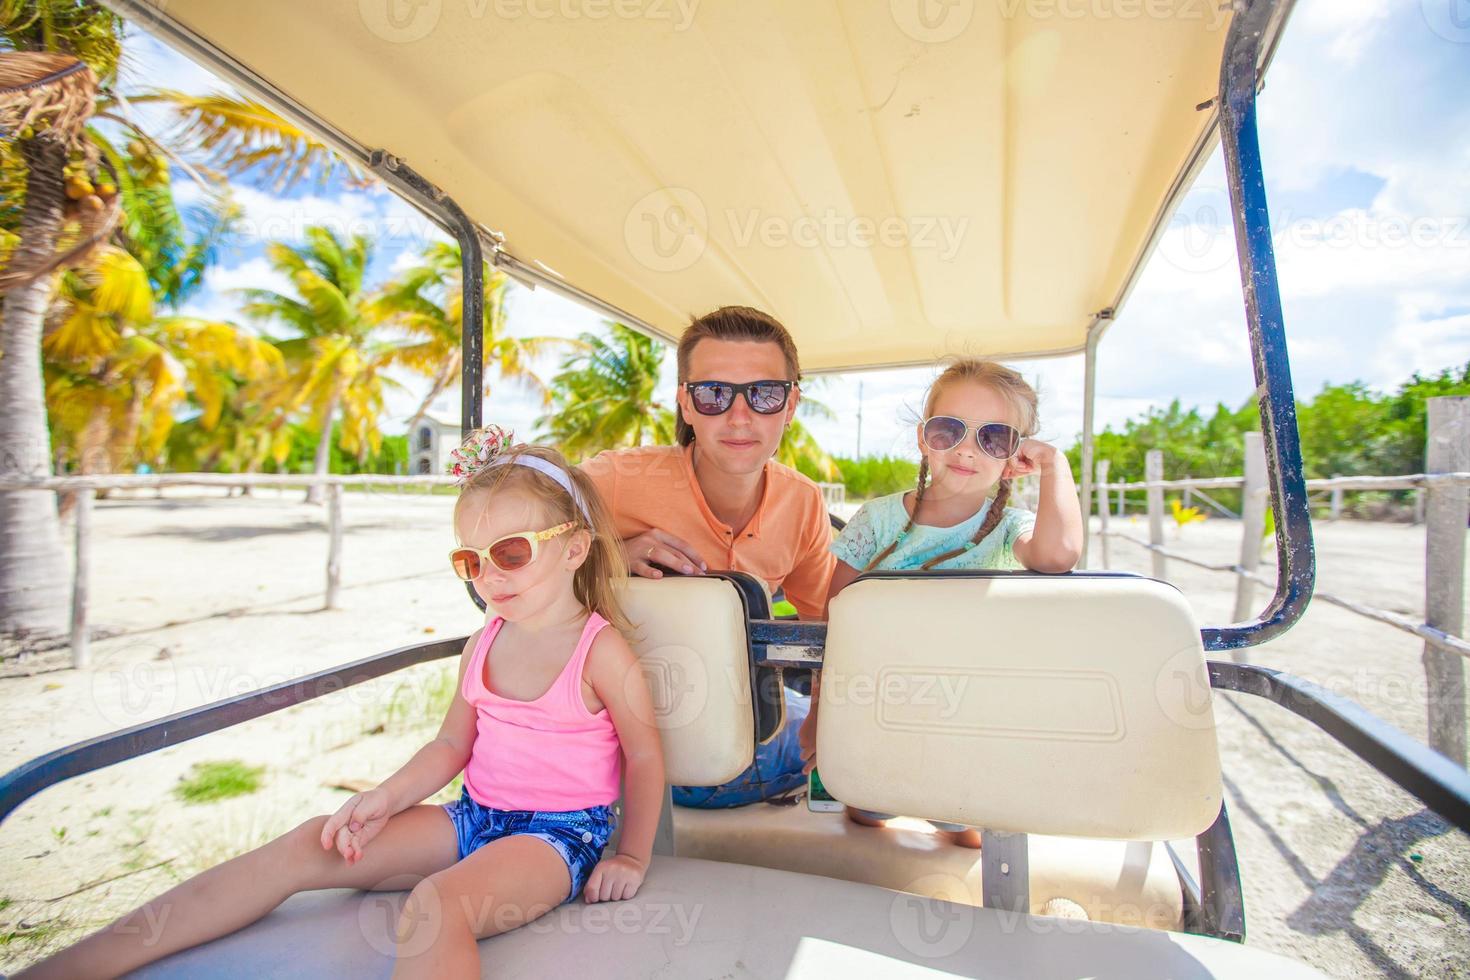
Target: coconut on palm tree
<point>65,191</point>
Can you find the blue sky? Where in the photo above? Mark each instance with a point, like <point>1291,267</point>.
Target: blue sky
<point>1365,130</point>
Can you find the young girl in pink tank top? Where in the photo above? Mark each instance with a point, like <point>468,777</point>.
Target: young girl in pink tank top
<point>550,707</point>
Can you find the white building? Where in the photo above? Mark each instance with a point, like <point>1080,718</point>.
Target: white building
<point>429,444</point>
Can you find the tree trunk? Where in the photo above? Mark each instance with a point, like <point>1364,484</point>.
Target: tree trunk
<point>315,492</point>
<point>33,570</point>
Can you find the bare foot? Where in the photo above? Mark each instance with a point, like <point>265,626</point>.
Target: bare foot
<point>857,816</point>
<point>969,837</point>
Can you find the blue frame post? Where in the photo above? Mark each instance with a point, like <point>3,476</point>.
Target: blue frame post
<point>1295,553</point>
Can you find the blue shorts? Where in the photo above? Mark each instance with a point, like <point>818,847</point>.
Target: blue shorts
<point>578,835</point>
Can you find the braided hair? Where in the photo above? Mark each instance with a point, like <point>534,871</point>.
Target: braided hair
<point>1022,398</point>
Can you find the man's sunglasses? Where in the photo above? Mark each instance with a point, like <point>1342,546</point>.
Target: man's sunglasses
<point>716,397</point>
<point>508,553</point>
<point>998,440</point>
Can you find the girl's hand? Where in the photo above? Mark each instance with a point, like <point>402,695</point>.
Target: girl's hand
<point>614,879</point>
<point>357,822</point>
<point>1034,456</point>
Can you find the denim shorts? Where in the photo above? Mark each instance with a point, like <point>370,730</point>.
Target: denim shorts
<point>776,769</point>
<point>578,835</point>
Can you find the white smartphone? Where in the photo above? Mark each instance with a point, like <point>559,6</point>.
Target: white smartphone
<point>818,800</point>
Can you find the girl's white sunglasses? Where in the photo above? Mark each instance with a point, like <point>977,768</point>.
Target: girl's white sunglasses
<point>508,553</point>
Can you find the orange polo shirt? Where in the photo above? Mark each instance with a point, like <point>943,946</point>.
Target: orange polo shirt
<point>785,544</point>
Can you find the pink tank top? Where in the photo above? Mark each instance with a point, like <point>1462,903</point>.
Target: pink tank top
<point>547,754</point>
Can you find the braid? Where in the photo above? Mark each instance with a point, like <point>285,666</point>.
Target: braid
<point>992,520</point>
<point>918,499</point>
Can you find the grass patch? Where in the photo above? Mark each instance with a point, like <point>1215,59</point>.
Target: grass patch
<point>210,781</point>
<point>418,702</point>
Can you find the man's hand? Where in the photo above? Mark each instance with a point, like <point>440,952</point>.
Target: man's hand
<point>655,547</point>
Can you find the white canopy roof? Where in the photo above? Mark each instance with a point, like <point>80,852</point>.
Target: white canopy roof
<point>893,180</point>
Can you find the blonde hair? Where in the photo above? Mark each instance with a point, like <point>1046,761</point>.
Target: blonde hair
<point>594,581</point>
<point>1021,398</point>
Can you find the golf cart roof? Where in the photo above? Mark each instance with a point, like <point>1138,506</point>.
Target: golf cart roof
<point>894,181</point>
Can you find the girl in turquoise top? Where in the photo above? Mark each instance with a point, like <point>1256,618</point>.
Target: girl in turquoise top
<point>974,439</point>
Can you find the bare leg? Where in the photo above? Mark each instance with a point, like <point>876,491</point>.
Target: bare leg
<point>965,837</point>
<point>504,884</point>
<point>415,844</point>
<point>858,816</point>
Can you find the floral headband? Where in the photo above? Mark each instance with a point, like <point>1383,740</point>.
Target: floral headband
<point>483,449</point>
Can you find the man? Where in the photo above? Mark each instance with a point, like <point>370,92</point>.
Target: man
<point>719,500</point>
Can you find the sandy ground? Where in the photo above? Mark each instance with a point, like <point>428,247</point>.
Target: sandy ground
<point>204,597</point>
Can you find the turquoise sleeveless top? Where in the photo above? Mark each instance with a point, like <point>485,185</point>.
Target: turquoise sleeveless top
<point>880,521</point>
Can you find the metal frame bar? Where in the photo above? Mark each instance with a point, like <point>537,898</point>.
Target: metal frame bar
<point>443,209</point>
<point>1296,557</point>
<point>1005,871</point>
<point>1089,400</point>
<point>30,778</point>
<point>1437,782</point>
<point>1220,911</point>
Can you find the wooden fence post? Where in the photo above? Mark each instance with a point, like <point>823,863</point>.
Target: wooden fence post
<point>1336,511</point>
<point>1446,450</point>
<point>334,543</point>
<point>1102,510</point>
<point>1252,522</point>
<point>1153,470</point>
<point>1188,495</point>
<point>1122,502</point>
<point>80,632</point>
<point>1418,507</point>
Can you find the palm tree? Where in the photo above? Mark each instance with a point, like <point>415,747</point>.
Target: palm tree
<point>55,211</point>
<point>335,361</point>
<point>426,303</point>
<point>604,396</point>
<point>799,448</point>
<point>116,373</point>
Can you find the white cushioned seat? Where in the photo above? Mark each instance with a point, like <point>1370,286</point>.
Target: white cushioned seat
<point>709,919</point>
<point>1125,882</point>
<point>1065,705</point>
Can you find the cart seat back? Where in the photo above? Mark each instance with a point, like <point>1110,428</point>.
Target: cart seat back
<point>1066,705</point>
<point>692,644</point>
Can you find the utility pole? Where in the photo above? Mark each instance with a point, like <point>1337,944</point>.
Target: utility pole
<point>860,422</point>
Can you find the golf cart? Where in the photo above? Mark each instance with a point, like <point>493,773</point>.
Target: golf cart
<point>893,181</point>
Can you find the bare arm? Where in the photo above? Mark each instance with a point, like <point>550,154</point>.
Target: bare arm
<point>1055,543</point>
<point>613,672</point>
<point>359,819</point>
